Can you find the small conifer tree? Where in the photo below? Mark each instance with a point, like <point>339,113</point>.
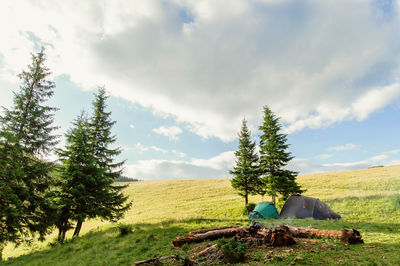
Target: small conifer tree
<point>245,173</point>
<point>274,157</point>
<point>89,171</point>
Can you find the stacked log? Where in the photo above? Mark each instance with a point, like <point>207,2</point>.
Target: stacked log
<point>281,235</point>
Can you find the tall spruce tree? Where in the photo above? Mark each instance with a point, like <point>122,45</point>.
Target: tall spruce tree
<point>111,203</point>
<point>89,172</point>
<point>246,178</point>
<point>78,180</point>
<point>274,157</point>
<point>26,137</point>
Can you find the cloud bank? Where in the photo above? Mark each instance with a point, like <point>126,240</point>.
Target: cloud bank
<point>208,64</point>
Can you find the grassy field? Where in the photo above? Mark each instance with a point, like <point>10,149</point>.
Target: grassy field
<point>368,200</point>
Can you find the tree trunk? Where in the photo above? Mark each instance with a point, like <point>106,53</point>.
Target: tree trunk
<point>349,236</point>
<point>78,228</point>
<point>60,239</point>
<point>209,235</point>
<point>246,194</point>
<point>273,199</point>
<point>1,251</point>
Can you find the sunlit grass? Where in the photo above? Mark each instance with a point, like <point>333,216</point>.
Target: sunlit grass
<point>367,199</point>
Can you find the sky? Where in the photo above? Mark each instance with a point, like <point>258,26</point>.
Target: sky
<point>182,75</point>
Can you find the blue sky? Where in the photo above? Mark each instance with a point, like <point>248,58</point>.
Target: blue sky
<point>182,74</point>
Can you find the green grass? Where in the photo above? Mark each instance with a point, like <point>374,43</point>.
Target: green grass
<point>368,200</point>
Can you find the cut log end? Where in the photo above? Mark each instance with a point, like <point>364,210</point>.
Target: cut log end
<point>351,236</point>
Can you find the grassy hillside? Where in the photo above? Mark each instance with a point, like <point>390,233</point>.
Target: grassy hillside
<point>368,200</point>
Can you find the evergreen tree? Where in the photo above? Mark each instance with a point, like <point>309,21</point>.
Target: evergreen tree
<point>78,179</point>
<point>274,157</point>
<point>26,137</point>
<point>88,172</point>
<point>111,204</point>
<point>245,173</point>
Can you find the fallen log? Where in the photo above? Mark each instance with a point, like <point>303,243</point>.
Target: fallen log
<point>204,251</point>
<point>349,236</point>
<point>212,229</point>
<point>208,235</point>
<point>156,260</point>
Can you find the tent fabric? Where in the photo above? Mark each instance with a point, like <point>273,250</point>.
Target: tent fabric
<point>264,210</point>
<point>300,206</point>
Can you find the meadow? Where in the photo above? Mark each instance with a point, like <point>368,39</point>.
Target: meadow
<point>367,199</point>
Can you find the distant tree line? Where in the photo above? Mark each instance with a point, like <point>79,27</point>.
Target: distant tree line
<point>264,172</point>
<point>37,195</point>
<point>127,179</point>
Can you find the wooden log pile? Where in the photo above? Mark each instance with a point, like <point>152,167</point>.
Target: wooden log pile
<point>277,236</point>
<point>281,235</point>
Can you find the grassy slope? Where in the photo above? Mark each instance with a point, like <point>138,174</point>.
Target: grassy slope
<point>366,199</point>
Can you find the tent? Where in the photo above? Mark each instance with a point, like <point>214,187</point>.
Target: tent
<point>264,210</point>
<point>300,206</point>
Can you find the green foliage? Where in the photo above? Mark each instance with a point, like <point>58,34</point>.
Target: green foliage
<point>234,251</point>
<point>77,184</point>
<point>273,158</point>
<point>125,229</point>
<point>395,199</point>
<point>245,173</point>
<point>26,136</point>
<point>111,203</point>
<point>88,172</point>
<point>248,208</point>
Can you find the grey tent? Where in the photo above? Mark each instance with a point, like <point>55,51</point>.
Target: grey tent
<point>300,206</point>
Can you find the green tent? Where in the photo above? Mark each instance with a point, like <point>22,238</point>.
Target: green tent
<point>264,210</point>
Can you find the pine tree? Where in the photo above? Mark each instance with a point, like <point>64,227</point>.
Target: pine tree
<point>245,173</point>
<point>88,172</point>
<point>274,157</point>
<point>111,204</point>
<point>78,179</point>
<point>26,137</point>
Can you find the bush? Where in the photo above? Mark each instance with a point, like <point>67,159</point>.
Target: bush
<point>395,202</point>
<point>248,208</point>
<point>125,229</point>
<point>234,251</point>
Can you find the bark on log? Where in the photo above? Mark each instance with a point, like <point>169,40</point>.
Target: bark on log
<point>156,260</point>
<point>209,235</point>
<point>204,251</point>
<point>212,229</point>
<point>349,236</point>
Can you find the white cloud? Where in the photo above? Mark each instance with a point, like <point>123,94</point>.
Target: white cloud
<point>131,126</point>
<point>179,153</point>
<point>314,62</point>
<point>215,167</point>
<point>305,166</point>
<point>346,147</point>
<point>171,132</point>
<point>324,156</point>
<point>219,166</point>
<point>141,147</point>
<point>158,149</point>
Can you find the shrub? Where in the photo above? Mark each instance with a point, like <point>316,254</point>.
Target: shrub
<point>395,202</point>
<point>248,208</point>
<point>125,229</point>
<point>234,251</point>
